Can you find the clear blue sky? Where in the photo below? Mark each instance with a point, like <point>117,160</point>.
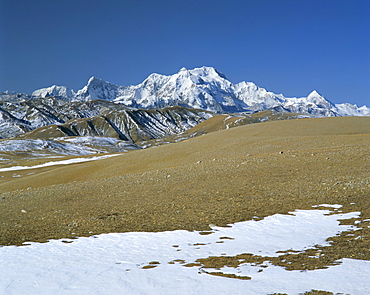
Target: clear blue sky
<point>286,46</point>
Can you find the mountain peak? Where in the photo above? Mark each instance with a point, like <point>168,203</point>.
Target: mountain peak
<point>209,72</point>
<point>201,88</point>
<point>56,91</point>
<point>314,94</point>
<point>316,97</point>
<point>94,80</point>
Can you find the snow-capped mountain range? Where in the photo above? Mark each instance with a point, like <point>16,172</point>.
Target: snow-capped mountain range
<point>106,118</point>
<point>201,88</point>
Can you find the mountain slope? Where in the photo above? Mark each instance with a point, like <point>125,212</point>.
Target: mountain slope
<point>25,115</point>
<point>129,125</point>
<point>17,118</point>
<point>85,128</point>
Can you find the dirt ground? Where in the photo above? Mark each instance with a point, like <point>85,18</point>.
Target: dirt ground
<point>219,178</point>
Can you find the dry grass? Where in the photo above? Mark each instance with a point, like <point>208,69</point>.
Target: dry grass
<point>219,178</point>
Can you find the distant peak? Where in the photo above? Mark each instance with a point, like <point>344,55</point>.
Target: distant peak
<point>314,94</point>
<point>214,71</point>
<point>97,82</point>
<point>93,79</point>
<point>207,71</point>
<point>222,75</point>
<point>183,69</point>
<point>206,68</point>
<point>317,98</point>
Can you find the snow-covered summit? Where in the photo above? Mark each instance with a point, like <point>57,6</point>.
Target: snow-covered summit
<point>209,73</point>
<point>315,98</point>
<point>56,91</point>
<point>98,89</point>
<point>347,109</point>
<point>201,88</point>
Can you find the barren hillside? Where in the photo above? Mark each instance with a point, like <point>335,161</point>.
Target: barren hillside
<point>222,177</point>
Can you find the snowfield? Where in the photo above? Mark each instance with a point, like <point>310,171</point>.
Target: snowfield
<point>55,163</point>
<point>155,263</point>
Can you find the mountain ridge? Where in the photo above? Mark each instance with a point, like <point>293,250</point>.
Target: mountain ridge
<point>201,88</point>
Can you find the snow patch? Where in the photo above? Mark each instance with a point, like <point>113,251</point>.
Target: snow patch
<point>54,163</point>
<point>153,263</point>
<point>336,206</point>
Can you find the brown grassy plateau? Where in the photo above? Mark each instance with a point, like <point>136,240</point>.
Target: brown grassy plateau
<point>219,178</point>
